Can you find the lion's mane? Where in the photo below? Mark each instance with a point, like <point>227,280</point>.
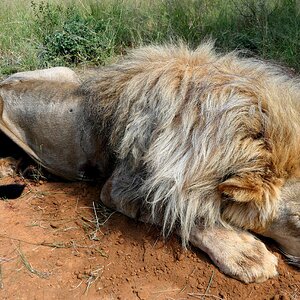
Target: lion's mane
<point>211,137</point>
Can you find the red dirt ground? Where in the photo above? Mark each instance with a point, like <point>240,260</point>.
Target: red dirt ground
<point>52,248</point>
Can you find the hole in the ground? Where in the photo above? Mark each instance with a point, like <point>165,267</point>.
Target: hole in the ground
<point>11,191</point>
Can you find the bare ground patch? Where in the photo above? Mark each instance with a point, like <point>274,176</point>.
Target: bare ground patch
<point>58,242</point>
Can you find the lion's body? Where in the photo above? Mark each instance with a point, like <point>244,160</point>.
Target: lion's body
<point>201,143</point>
<point>195,128</point>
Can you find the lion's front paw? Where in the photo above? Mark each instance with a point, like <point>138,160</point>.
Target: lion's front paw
<point>248,262</point>
<point>238,254</point>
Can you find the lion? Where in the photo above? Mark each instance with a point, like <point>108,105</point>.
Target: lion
<point>205,145</point>
<point>199,143</point>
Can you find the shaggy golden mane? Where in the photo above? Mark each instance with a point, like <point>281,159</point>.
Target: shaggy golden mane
<point>209,138</point>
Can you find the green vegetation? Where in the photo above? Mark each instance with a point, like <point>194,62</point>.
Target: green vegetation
<point>47,33</point>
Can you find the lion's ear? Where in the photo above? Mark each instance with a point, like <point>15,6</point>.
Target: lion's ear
<point>242,189</point>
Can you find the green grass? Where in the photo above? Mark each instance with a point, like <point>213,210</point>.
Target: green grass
<point>36,34</point>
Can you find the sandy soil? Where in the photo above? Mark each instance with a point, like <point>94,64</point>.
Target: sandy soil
<point>58,242</point>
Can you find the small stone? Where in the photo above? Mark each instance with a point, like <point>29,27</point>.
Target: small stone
<point>180,256</point>
<point>59,263</point>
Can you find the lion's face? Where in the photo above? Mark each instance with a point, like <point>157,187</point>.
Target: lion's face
<point>285,228</point>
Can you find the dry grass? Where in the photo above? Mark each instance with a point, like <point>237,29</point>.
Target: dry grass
<point>29,267</point>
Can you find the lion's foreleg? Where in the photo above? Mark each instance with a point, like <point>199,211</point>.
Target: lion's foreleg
<point>237,253</point>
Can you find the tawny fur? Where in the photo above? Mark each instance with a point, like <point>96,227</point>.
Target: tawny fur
<point>41,112</point>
